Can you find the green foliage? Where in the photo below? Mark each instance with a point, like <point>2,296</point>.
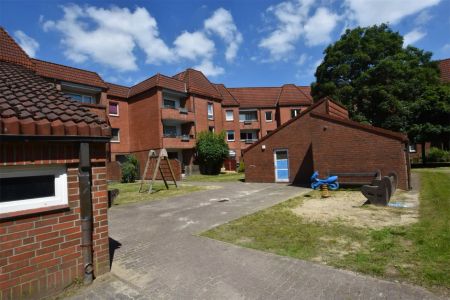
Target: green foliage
<point>384,84</point>
<point>241,168</point>
<point>212,149</point>
<point>130,169</point>
<point>438,155</point>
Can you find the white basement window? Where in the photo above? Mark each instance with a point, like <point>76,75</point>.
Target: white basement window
<point>32,187</point>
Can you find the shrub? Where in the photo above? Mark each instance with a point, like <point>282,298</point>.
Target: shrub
<point>438,155</point>
<point>241,168</point>
<point>130,169</point>
<point>211,150</point>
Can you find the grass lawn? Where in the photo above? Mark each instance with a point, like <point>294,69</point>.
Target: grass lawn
<point>417,253</point>
<point>222,177</point>
<point>129,192</point>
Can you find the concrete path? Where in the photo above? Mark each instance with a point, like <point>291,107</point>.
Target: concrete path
<point>157,255</point>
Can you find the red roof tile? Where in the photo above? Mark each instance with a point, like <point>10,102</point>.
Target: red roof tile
<point>10,51</point>
<point>65,73</point>
<point>253,97</point>
<point>158,80</point>
<point>228,99</point>
<point>197,83</point>
<point>293,95</point>
<point>30,105</point>
<point>444,67</point>
<point>117,90</point>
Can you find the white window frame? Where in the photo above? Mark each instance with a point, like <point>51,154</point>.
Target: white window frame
<point>296,112</point>
<point>412,148</point>
<point>118,136</point>
<point>116,103</point>
<point>60,198</point>
<point>271,116</point>
<point>210,111</point>
<point>91,98</point>
<point>234,136</point>
<point>228,117</point>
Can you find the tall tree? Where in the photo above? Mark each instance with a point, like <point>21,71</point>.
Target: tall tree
<point>375,77</point>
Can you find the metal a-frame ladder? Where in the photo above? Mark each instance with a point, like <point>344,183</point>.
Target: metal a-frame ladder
<point>162,156</point>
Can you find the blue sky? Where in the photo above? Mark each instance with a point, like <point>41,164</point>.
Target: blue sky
<point>235,42</point>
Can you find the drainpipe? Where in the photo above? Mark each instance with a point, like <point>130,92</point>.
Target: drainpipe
<point>84,175</point>
<point>408,165</point>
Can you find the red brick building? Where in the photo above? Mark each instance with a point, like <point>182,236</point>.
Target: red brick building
<point>323,138</point>
<point>52,181</point>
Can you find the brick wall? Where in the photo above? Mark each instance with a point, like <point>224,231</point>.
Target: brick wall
<point>122,122</point>
<point>323,145</point>
<point>40,252</point>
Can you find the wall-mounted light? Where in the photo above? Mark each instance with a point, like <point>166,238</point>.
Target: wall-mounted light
<point>263,147</point>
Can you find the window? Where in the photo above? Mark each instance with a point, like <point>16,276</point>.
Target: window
<point>295,112</point>
<point>230,135</point>
<point>412,148</point>
<point>248,116</point>
<point>170,131</point>
<point>268,116</point>
<point>170,103</point>
<point>115,132</point>
<point>248,135</point>
<point>32,187</point>
<point>82,98</point>
<point>210,111</point>
<point>113,109</point>
<point>231,153</point>
<point>211,128</point>
<point>229,115</point>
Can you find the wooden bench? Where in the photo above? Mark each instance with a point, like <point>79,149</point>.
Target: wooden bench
<point>370,176</point>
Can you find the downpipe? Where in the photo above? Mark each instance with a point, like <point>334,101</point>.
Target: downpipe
<point>84,176</point>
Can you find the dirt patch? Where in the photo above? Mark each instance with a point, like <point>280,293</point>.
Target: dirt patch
<point>348,207</point>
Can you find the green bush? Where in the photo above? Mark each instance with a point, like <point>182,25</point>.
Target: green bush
<point>241,168</point>
<point>130,169</point>
<point>212,151</point>
<point>438,155</point>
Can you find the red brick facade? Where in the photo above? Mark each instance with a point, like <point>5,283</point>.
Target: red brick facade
<point>324,139</point>
<point>40,250</point>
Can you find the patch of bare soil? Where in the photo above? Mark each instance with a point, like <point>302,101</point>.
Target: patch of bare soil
<point>348,207</point>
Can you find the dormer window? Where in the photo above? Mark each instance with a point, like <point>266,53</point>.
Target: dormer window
<point>82,98</point>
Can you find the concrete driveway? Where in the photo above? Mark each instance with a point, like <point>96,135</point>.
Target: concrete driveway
<point>157,255</point>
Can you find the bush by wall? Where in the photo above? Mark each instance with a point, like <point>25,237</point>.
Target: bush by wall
<point>130,169</point>
<point>241,168</point>
<point>212,149</point>
<point>438,155</point>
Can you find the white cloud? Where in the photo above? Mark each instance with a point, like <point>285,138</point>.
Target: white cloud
<point>193,45</point>
<point>28,44</point>
<point>446,48</point>
<point>413,36</point>
<point>110,36</point>
<point>293,21</point>
<point>423,17</point>
<point>222,24</point>
<point>209,69</point>
<point>302,59</point>
<point>370,12</point>
<point>319,27</point>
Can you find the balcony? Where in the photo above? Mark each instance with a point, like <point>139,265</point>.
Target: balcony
<point>177,114</point>
<point>178,141</point>
<point>249,124</point>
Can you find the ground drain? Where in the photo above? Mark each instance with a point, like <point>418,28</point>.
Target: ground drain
<point>223,200</point>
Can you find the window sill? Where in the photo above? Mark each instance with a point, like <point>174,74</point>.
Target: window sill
<point>113,115</point>
<point>116,142</point>
<point>30,212</point>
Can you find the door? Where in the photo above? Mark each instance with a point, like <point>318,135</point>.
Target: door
<point>281,165</point>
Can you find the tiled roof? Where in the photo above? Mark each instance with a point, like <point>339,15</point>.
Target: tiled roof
<point>197,83</point>
<point>253,97</point>
<point>444,66</point>
<point>293,95</point>
<point>160,81</point>
<point>228,99</point>
<point>11,52</point>
<point>30,105</point>
<point>117,90</point>
<point>65,73</point>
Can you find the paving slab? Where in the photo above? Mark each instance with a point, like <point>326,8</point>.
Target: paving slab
<point>157,254</point>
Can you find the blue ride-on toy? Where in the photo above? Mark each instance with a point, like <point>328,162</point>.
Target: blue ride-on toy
<point>331,181</point>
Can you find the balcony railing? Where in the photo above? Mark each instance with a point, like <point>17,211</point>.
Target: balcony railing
<point>182,137</point>
<point>178,114</point>
<point>174,141</point>
<point>250,141</point>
